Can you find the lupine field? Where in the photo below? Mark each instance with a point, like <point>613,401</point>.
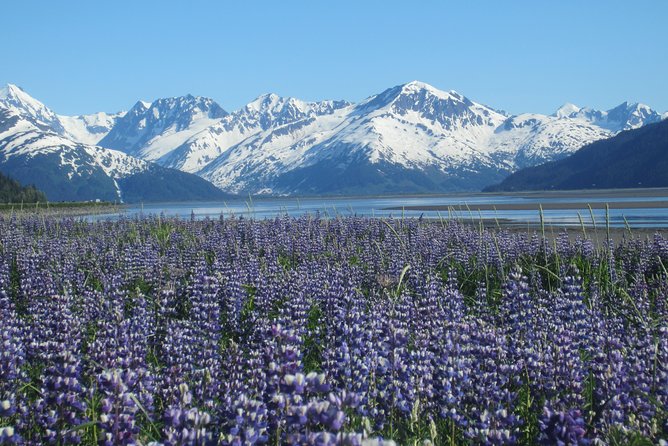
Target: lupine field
<point>313,331</point>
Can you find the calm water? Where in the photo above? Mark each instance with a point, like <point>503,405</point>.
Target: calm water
<point>647,217</point>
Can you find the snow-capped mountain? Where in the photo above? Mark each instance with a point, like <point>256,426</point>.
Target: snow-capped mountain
<point>266,112</point>
<point>13,97</point>
<point>623,117</point>
<point>67,170</point>
<point>633,158</point>
<point>413,126</point>
<point>529,139</point>
<point>151,131</point>
<point>409,138</point>
<point>86,129</point>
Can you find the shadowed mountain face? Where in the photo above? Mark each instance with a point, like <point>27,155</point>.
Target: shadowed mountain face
<point>634,158</point>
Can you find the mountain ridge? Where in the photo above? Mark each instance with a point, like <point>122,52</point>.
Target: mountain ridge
<point>411,125</point>
<point>632,158</point>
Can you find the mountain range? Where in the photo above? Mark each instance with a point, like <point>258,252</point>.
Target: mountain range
<point>412,138</point>
<point>55,154</point>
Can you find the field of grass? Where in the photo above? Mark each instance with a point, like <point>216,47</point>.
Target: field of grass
<point>54,205</point>
<point>60,209</point>
<point>312,331</point>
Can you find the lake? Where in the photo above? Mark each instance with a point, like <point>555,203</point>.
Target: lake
<point>641,208</point>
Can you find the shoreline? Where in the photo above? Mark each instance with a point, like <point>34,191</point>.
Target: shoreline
<point>576,193</point>
<point>533,206</point>
<point>64,209</point>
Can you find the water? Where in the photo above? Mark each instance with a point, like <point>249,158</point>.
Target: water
<point>653,215</point>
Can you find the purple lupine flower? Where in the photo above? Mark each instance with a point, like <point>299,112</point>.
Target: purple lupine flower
<point>562,428</point>
<point>62,403</point>
<point>292,330</point>
<point>186,425</point>
<point>119,407</point>
<point>12,361</point>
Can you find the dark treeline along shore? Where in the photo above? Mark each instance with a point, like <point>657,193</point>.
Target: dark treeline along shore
<point>19,199</point>
<point>11,191</point>
<point>312,331</point>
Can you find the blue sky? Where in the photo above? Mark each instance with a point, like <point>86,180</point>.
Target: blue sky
<point>86,56</point>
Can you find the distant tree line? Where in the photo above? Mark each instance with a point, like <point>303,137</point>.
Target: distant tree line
<point>11,191</point>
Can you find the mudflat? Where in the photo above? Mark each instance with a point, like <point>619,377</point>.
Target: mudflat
<point>582,199</point>
<point>533,206</point>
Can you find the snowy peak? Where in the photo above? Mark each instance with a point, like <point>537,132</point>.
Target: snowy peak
<point>567,110</point>
<point>180,111</point>
<point>139,108</point>
<point>623,117</point>
<point>413,126</point>
<point>631,116</point>
<point>414,89</point>
<point>450,109</point>
<point>271,110</point>
<point>535,138</point>
<point>418,87</point>
<point>265,102</point>
<point>86,129</point>
<point>266,113</point>
<point>152,131</point>
<point>15,97</point>
<point>21,139</point>
<point>185,108</point>
<point>274,104</point>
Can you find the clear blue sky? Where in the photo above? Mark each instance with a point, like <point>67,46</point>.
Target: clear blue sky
<point>86,56</point>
